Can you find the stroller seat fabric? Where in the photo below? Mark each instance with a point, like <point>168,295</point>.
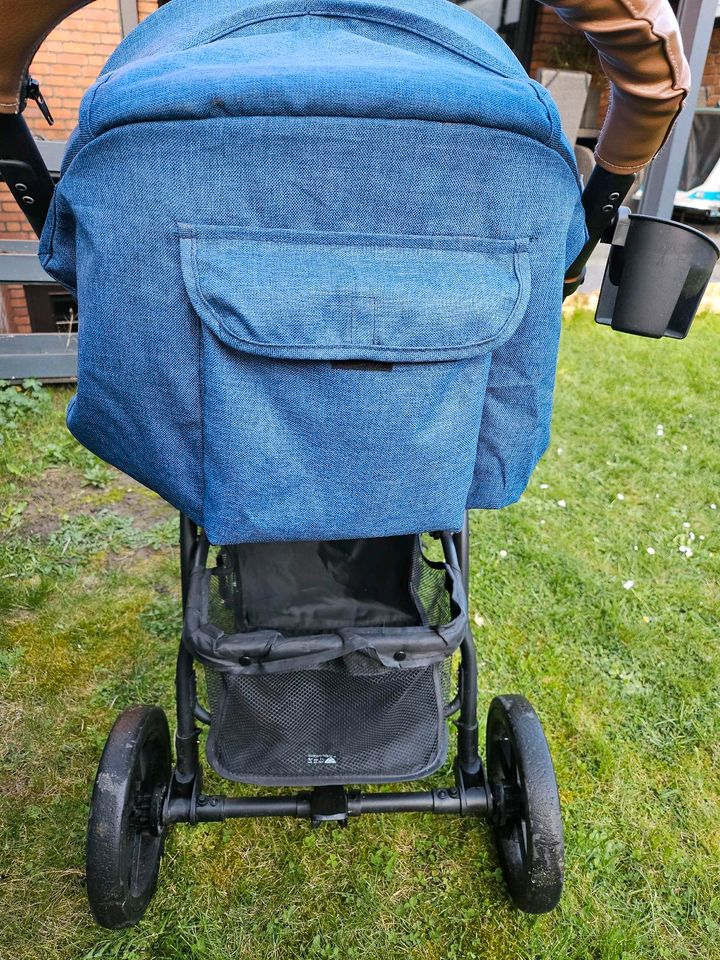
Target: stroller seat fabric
<point>348,682</point>
<point>309,586</point>
<point>318,252</point>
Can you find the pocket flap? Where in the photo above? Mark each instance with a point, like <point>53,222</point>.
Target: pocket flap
<point>342,296</point>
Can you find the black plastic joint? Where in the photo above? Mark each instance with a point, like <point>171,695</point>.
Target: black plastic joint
<point>446,800</point>
<point>213,808</point>
<point>328,804</point>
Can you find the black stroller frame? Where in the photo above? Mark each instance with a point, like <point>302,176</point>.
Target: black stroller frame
<point>469,795</point>
<point>139,793</point>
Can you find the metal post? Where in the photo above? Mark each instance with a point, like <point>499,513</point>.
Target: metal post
<point>462,547</point>
<point>467,725</point>
<point>128,16</point>
<point>524,33</point>
<point>696,18</point>
<point>187,769</point>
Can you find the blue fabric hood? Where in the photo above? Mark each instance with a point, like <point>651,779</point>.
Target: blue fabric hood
<point>318,252</point>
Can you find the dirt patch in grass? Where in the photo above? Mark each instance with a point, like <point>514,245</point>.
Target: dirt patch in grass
<point>63,490</point>
<point>16,786</point>
<point>121,558</point>
<point>59,490</point>
<point>135,501</point>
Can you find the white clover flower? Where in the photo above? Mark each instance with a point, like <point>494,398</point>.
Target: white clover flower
<point>659,430</point>
<point>686,525</point>
<point>544,486</point>
<point>621,496</point>
<point>502,554</point>
<point>713,506</point>
<point>686,551</point>
<point>691,536</point>
<point>702,536</point>
<point>651,551</point>
<point>561,503</point>
<point>628,584</point>
<point>560,451</point>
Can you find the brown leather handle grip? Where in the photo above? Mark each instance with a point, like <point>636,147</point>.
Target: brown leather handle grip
<point>641,52</point>
<point>25,26</point>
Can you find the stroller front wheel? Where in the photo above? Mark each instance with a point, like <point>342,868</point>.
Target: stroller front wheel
<point>125,833</point>
<point>527,822</point>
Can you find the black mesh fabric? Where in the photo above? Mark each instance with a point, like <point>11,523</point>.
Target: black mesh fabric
<point>372,715</point>
<point>352,721</point>
<point>430,589</point>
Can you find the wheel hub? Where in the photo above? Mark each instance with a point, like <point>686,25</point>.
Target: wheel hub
<point>146,812</point>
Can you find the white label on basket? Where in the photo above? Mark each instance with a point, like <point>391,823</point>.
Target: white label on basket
<point>321,758</point>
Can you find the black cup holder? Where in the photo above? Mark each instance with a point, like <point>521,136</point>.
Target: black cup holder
<point>655,277</point>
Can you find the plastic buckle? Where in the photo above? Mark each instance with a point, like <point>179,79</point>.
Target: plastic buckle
<point>622,227</point>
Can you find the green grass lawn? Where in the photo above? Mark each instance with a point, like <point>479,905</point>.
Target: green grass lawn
<point>596,596</point>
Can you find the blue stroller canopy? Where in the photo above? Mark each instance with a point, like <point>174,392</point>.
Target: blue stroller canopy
<point>318,252</point>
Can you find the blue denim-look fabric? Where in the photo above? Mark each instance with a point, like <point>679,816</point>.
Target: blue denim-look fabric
<point>259,192</point>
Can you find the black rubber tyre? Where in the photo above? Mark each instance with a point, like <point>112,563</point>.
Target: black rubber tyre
<point>125,838</point>
<point>527,822</point>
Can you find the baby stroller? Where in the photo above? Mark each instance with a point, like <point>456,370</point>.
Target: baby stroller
<point>357,355</point>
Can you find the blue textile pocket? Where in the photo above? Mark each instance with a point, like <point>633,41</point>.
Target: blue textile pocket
<point>337,296</point>
<point>296,447</point>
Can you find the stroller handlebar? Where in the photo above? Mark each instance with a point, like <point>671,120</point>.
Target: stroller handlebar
<point>25,26</point>
<point>641,53</point>
<point>601,200</point>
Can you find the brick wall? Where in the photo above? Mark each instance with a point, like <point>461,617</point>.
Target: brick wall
<point>66,64</point>
<point>711,76</point>
<point>551,33</point>
<point>553,37</point>
<point>145,8</point>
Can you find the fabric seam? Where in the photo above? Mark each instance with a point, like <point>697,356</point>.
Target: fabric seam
<point>201,392</point>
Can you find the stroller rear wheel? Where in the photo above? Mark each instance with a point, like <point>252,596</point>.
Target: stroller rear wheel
<point>125,833</point>
<point>527,822</point>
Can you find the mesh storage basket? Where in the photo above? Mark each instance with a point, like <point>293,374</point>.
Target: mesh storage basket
<point>326,663</point>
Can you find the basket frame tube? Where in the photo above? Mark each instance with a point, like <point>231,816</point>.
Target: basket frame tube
<point>474,801</point>
<point>182,801</point>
